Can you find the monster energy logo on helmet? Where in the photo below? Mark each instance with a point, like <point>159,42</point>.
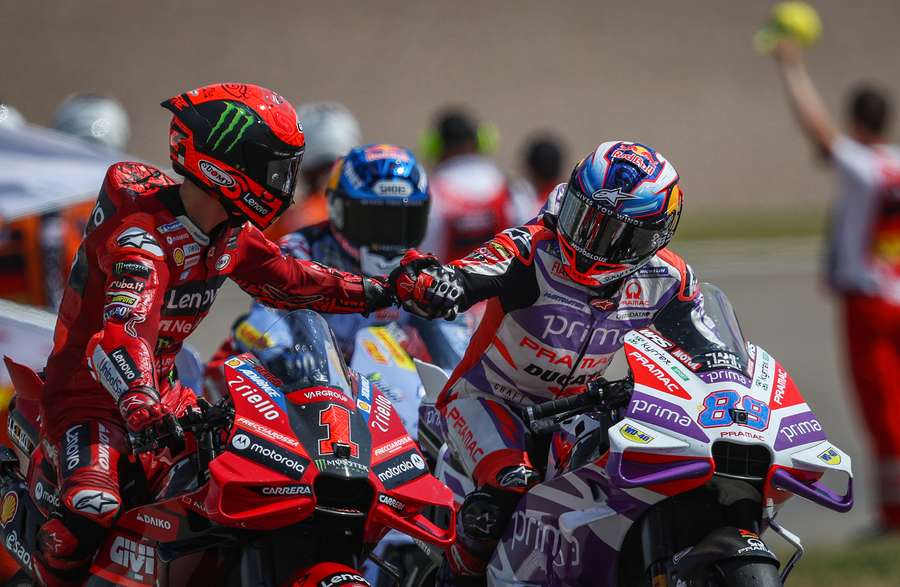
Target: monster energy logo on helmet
<point>234,118</point>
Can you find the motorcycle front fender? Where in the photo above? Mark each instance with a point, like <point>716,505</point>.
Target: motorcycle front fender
<point>725,543</point>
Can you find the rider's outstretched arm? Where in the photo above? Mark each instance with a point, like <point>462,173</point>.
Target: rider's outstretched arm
<point>495,269</point>
<point>286,283</point>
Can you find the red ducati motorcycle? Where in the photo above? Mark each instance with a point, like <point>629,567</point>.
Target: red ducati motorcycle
<point>291,480</point>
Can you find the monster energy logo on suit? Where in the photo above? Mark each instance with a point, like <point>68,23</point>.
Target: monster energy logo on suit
<point>234,118</point>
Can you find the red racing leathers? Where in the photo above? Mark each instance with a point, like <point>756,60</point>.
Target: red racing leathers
<point>143,279</point>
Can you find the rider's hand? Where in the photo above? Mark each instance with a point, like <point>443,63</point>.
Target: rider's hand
<point>141,409</point>
<point>439,290</point>
<point>612,394</point>
<point>411,280</point>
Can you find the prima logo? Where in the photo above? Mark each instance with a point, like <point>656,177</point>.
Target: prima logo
<point>234,119</point>
<point>642,406</point>
<point>543,537</point>
<point>577,330</point>
<point>803,428</point>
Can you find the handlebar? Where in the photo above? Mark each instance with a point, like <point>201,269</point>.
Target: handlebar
<point>602,394</point>
<point>198,420</point>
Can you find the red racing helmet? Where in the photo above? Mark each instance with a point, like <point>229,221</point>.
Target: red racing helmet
<point>241,143</point>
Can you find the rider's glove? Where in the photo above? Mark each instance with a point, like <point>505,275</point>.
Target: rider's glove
<point>425,287</point>
<point>378,294</point>
<point>612,394</point>
<point>141,409</point>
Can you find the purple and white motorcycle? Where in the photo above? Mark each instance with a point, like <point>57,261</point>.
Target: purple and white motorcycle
<point>675,489</point>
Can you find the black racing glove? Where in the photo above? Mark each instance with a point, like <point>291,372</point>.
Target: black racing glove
<point>379,294</point>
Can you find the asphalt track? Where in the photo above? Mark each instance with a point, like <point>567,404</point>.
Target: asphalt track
<point>776,288</point>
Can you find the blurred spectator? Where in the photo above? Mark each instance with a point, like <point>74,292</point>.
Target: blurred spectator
<point>471,199</point>
<point>331,131</point>
<point>10,117</point>
<point>864,254</point>
<point>96,118</point>
<point>542,161</point>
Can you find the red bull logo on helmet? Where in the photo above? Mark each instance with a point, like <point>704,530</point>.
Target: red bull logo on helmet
<point>637,155</point>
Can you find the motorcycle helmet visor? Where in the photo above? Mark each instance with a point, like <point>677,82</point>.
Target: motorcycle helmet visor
<point>383,224</point>
<point>598,234</point>
<point>276,172</point>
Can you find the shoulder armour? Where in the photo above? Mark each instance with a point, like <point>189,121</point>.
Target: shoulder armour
<point>678,269</point>
<point>521,240</point>
<point>134,179</point>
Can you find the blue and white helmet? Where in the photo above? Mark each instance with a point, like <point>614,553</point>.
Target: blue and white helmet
<point>621,205</point>
<point>378,203</point>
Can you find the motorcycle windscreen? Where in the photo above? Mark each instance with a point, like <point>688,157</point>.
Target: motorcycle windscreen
<point>300,349</point>
<point>709,333</point>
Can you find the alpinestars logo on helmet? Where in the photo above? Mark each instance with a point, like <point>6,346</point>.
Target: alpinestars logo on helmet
<point>231,117</point>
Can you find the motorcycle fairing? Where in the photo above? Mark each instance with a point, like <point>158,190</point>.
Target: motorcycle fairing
<point>568,531</point>
<point>776,416</point>
<point>126,559</point>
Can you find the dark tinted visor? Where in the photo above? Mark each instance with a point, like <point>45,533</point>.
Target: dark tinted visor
<point>599,235</point>
<point>276,172</point>
<point>384,224</point>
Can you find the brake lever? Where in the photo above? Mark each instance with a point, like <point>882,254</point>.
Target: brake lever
<point>168,433</point>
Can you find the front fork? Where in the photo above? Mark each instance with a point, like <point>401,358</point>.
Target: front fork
<point>256,564</point>
<point>656,546</point>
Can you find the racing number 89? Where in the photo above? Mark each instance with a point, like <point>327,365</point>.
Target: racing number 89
<point>717,408</point>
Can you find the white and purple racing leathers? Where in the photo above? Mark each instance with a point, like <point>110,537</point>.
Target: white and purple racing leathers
<point>543,336</point>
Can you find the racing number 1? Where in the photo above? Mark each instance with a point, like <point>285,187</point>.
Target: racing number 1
<point>336,420</point>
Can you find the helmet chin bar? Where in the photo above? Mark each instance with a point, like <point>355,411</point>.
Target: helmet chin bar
<point>605,279</point>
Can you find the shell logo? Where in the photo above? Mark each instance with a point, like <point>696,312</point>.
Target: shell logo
<point>9,508</point>
<point>234,362</point>
<point>179,256</point>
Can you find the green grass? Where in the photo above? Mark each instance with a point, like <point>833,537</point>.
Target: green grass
<point>747,224</point>
<point>867,564</point>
